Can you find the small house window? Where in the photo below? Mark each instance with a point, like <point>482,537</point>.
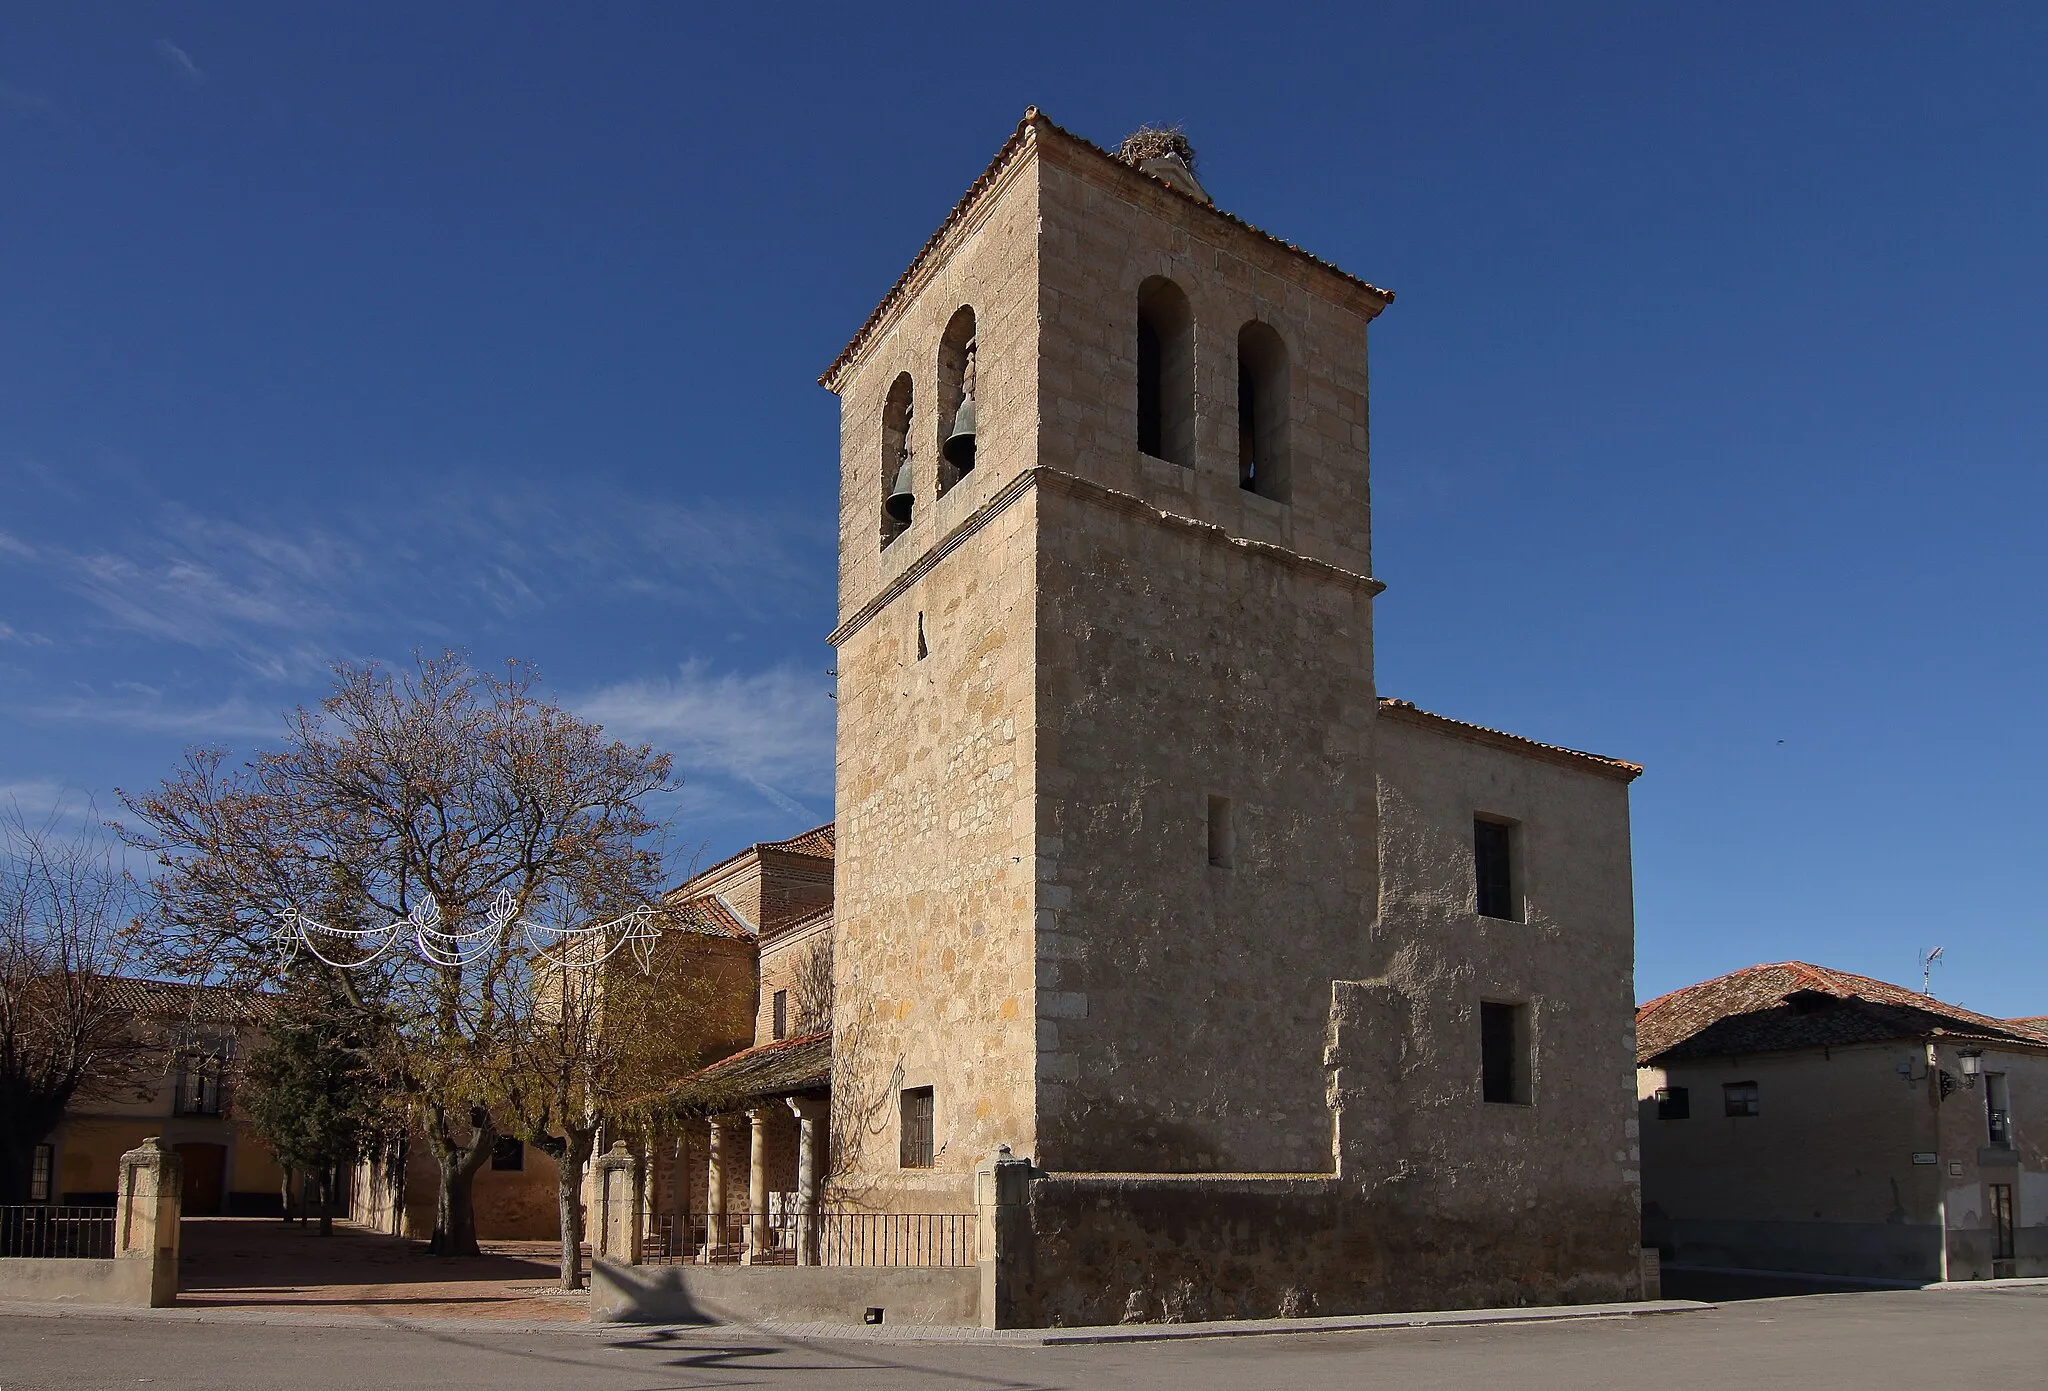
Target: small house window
<point>508,1153</point>
<point>1222,837</point>
<point>1739,1099</point>
<point>1493,865</point>
<point>1674,1104</point>
<point>42,1173</point>
<point>1998,1108</point>
<point>959,408</point>
<point>779,1006</point>
<point>899,499</point>
<point>1262,387</point>
<point>1504,1071</point>
<point>198,1087</point>
<point>916,1151</point>
<point>1166,372</point>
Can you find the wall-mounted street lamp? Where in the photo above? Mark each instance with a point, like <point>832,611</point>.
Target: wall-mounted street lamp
<point>1973,1065</point>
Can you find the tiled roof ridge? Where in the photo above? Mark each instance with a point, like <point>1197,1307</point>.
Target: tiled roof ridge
<point>797,924</point>
<point>824,835</point>
<point>1613,767</point>
<point>1719,998</point>
<point>1034,121</point>
<point>826,831</point>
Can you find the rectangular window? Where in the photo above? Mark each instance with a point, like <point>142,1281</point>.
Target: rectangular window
<point>1674,1104</point>
<point>916,1152</point>
<point>508,1152</point>
<point>1740,1099</point>
<point>1493,864</point>
<point>198,1089</point>
<point>1998,1108</point>
<point>41,1173</point>
<point>1221,837</point>
<point>780,1006</point>
<point>1504,1053</point>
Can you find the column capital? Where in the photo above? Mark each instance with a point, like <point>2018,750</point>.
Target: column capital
<point>809,1108</point>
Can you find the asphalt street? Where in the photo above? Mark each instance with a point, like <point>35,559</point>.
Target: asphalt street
<point>1910,1340</point>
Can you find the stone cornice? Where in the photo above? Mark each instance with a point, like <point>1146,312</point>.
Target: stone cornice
<point>1071,485</point>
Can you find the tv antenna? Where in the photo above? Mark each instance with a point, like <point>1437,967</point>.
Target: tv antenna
<point>1928,961</point>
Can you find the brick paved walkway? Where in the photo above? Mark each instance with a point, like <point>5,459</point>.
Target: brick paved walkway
<point>263,1263</point>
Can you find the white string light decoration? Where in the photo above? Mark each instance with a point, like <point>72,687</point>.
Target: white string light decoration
<point>557,948</point>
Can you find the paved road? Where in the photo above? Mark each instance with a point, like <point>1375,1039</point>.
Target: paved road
<point>1909,1340</point>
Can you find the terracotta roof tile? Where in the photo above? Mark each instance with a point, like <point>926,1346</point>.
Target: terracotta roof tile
<point>1032,124</point>
<point>1794,1004</point>
<point>170,999</point>
<point>782,1068</point>
<point>816,842</point>
<point>707,916</point>
<point>1409,712</point>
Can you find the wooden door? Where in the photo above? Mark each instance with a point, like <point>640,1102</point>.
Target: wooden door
<point>205,1166</point>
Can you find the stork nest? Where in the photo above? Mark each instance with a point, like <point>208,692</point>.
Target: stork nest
<point>1155,142</point>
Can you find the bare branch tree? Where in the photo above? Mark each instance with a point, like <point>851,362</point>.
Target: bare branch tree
<point>442,785</point>
<point>65,1033</point>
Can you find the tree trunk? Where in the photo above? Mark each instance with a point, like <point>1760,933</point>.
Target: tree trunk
<point>454,1206</point>
<point>327,1200</point>
<point>572,1161</point>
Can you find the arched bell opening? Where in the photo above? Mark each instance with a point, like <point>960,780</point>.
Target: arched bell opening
<point>1166,372</point>
<point>1262,385</point>
<point>899,501</point>
<point>959,413</point>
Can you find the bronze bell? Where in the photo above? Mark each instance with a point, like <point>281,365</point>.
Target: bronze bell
<point>901,499</point>
<point>959,447</point>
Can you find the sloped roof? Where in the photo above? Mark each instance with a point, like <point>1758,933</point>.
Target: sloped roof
<point>708,916</point>
<point>172,999</point>
<point>1032,124</point>
<point>1408,711</point>
<point>1794,1004</point>
<point>816,842</point>
<point>785,1067</point>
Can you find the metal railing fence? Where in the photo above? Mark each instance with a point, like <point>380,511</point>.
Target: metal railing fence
<point>837,1237</point>
<point>57,1233</point>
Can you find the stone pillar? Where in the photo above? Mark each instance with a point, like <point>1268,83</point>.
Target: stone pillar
<point>811,1113</point>
<point>1002,1199</point>
<point>1653,1272</point>
<point>714,1182</point>
<point>757,1188</point>
<point>618,1206</point>
<point>146,1212</point>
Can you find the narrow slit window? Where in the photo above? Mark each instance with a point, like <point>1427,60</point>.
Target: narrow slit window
<point>779,1008</point>
<point>1504,1064</point>
<point>916,1151</point>
<point>1222,836</point>
<point>1493,869</point>
<point>923,648</point>
<point>42,1174</point>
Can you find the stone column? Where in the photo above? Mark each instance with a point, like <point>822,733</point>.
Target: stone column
<point>1002,1199</point>
<point>146,1211</point>
<point>757,1188</point>
<point>811,1113</point>
<point>714,1183</point>
<point>618,1206</point>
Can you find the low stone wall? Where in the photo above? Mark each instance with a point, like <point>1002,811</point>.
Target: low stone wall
<point>1110,1248</point>
<point>67,1281</point>
<point>621,1293</point>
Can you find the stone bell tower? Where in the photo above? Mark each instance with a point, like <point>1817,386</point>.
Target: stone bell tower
<point>1107,827</point>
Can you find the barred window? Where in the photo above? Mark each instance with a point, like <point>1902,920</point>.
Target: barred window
<point>917,1128</point>
<point>41,1175</point>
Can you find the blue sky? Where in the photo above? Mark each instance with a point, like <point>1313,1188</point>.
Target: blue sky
<point>1708,427</point>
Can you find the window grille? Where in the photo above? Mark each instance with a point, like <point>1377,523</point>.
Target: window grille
<point>917,1128</point>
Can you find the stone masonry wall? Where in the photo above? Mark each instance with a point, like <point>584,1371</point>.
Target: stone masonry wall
<point>935,788</point>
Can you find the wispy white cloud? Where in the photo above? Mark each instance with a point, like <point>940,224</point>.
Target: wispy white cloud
<point>180,60</point>
<point>769,730</point>
<point>138,710</point>
<point>10,633</point>
<point>14,546</point>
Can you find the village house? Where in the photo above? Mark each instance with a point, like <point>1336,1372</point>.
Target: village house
<point>1174,970</point>
<point>1802,1119</point>
<point>180,1087</point>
